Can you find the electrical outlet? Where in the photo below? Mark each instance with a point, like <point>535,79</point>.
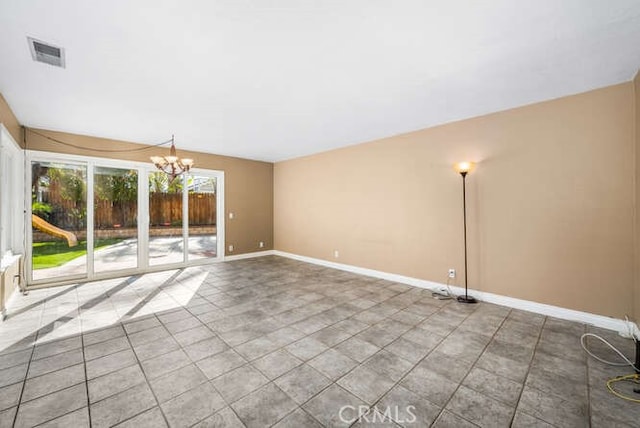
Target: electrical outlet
<point>230,216</point>
<point>336,254</point>
<point>261,244</point>
<point>452,273</point>
<point>231,248</point>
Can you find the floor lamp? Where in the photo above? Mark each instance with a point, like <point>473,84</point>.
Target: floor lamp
<point>464,168</point>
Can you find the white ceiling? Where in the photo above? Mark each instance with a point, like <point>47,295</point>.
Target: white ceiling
<point>276,79</point>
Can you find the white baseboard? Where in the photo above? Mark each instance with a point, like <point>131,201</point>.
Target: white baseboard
<point>248,255</point>
<point>608,323</point>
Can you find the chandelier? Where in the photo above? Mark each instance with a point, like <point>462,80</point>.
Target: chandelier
<point>172,165</point>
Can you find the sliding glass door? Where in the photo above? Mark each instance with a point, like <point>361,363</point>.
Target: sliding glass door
<point>95,218</point>
<point>59,220</point>
<point>166,237</point>
<point>202,241</point>
<point>115,219</point>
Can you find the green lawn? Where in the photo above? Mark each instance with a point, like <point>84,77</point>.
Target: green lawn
<point>57,253</point>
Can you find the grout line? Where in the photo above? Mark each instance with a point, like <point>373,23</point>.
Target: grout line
<point>144,375</point>
<point>24,383</point>
<point>524,382</point>
<point>449,303</point>
<point>472,367</point>
<point>86,378</point>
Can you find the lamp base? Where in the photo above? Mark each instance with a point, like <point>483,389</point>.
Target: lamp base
<point>466,299</point>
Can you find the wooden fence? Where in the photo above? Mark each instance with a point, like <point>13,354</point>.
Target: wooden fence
<point>165,209</point>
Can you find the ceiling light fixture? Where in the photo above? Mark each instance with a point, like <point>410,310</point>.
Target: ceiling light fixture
<point>172,165</point>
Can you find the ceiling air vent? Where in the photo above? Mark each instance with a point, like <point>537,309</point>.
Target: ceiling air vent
<point>46,52</point>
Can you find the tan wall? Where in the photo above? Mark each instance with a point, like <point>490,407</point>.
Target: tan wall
<point>636,84</point>
<point>248,184</point>
<point>550,204</point>
<point>8,119</point>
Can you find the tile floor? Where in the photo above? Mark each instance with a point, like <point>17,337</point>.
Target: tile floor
<point>272,341</point>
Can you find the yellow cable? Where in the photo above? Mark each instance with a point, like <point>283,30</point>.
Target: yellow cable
<point>634,378</point>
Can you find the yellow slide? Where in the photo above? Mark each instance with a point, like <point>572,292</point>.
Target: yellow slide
<point>45,227</point>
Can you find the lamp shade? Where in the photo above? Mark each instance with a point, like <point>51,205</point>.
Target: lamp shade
<point>464,167</point>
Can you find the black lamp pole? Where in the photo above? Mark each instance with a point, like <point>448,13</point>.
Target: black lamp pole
<point>466,298</point>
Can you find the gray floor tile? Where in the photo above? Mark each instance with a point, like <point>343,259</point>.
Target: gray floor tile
<point>569,369</point>
<point>244,334</point>
<point>407,408</point>
<point>302,383</point>
<point>325,407</point>
<point>114,382</point>
<point>157,347</point>
<point>351,326</point>
<point>57,347</point>
<point>357,349</point>
<point>193,406</point>
<point>15,358</point>
<point>186,323</point>
<point>389,364</point>
<point>151,418</point>
<point>146,336</point>
<point>54,381</point>
<point>494,386</point>
<point>221,363</point>
<point>376,419</point>
<point>462,346</point>
<point>409,350</point>
<point>548,381</point>
<point>276,363</point>
<point>451,368</point>
<point>54,362</point>
<point>10,395</point>
<point>97,336</point>
<point>431,385</point>
<point>51,406</point>
<point>7,417</point>
<point>450,420</point>
<point>506,367</point>
<point>141,324</point>
<point>157,366</point>
<point>76,419</point>
<point>306,348</point>
<point>482,410</point>
<point>331,336</point>
<point>606,406</point>
<point>110,346</point>
<point>256,348</point>
<point>522,420</point>
<point>205,348</point>
<point>285,336</point>
<point>122,406</point>
<point>332,364</point>
<point>239,382</point>
<point>110,363</point>
<point>194,335</point>
<point>552,409</point>
<point>173,316</point>
<point>366,384</point>
<point>263,407</point>
<point>224,418</point>
<point>298,419</point>
<point>13,375</point>
<point>177,382</point>
<point>378,336</point>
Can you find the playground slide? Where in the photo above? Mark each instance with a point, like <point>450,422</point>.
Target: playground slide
<point>45,227</point>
